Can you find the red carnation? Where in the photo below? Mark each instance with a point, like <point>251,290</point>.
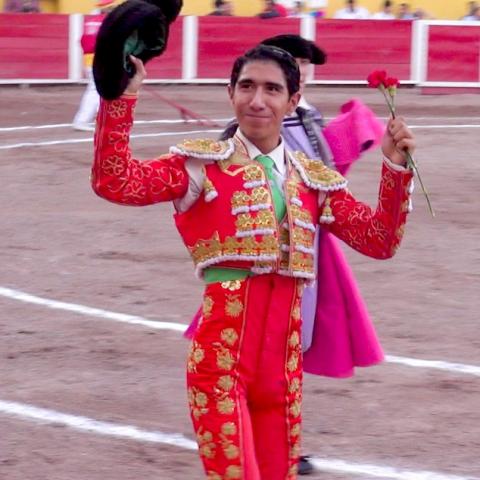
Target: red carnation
<point>391,82</point>
<point>377,78</point>
<point>388,87</point>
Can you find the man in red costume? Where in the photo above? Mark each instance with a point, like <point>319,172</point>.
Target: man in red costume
<point>247,210</point>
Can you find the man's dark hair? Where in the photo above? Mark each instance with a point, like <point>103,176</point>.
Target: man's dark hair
<point>388,3</point>
<point>264,53</point>
<point>218,3</point>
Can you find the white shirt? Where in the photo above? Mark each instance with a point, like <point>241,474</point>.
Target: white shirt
<point>383,16</point>
<point>358,13</point>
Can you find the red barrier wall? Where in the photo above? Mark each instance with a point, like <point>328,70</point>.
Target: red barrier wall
<point>36,47</point>
<point>453,53</point>
<point>357,47</point>
<point>33,46</point>
<point>221,40</point>
<point>169,65</point>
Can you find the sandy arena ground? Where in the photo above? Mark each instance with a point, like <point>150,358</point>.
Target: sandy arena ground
<point>60,242</point>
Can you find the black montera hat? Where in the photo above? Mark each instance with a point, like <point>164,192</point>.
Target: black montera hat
<point>298,47</point>
<point>135,27</point>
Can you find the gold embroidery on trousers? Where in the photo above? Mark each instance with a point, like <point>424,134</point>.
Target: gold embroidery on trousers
<point>233,472</point>
<point>198,402</point>
<point>196,355</point>
<point>207,306</point>
<point>226,406</point>
<point>206,445</point>
<point>229,336</point>
<point>225,383</point>
<point>233,306</point>
<point>229,428</point>
<point>225,360</point>
<point>232,285</point>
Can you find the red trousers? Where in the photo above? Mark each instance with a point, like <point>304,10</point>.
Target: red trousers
<point>244,378</point>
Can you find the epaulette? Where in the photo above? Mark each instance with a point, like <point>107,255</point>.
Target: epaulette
<point>315,174</point>
<point>205,148</point>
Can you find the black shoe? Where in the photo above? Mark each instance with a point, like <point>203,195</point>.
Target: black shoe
<point>304,465</point>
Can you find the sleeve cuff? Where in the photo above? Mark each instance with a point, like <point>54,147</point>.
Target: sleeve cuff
<point>129,96</point>
<point>395,166</point>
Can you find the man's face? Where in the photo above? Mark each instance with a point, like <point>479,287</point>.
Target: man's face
<point>261,100</point>
<point>303,65</point>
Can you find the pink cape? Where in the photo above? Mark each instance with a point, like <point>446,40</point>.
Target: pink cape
<point>343,334</point>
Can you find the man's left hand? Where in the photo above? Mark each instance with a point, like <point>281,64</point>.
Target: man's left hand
<point>397,139</point>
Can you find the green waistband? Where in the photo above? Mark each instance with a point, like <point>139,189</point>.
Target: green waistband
<point>216,274</point>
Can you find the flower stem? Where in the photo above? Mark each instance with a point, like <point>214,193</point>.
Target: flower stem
<point>412,164</point>
<point>390,99</point>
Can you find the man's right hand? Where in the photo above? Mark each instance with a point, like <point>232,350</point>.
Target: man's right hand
<point>136,81</point>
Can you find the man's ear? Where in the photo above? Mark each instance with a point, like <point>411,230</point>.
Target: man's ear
<point>230,92</point>
<point>293,102</point>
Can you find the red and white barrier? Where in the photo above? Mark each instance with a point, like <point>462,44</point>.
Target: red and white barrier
<point>431,54</point>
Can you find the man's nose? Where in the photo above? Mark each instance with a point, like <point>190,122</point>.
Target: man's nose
<point>258,99</point>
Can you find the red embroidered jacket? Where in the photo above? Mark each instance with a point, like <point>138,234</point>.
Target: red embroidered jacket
<point>119,178</point>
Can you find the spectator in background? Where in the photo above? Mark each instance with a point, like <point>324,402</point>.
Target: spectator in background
<point>420,14</point>
<point>404,12</point>
<point>297,10</point>
<point>352,12</point>
<point>386,13</point>
<point>475,15</point>
<point>21,6</point>
<point>471,6</point>
<point>88,107</point>
<point>222,8</point>
<point>273,10</point>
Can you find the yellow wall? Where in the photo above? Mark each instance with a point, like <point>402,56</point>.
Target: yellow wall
<point>446,9</point>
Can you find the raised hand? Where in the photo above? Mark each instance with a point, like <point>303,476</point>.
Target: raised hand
<point>136,81</point>
<point>397,139</point>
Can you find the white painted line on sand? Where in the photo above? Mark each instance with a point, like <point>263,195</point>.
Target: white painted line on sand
<point>176,134</point>
<point>91,425</point>
<point>134,433</point>
<point>136,122</point>
<point>434,364</point>
<point>216,120</point>
<point>444,126</point>
<point>89,311</point>
<point>90,139</point>
<point>339,466</point>
<point>180,327</point>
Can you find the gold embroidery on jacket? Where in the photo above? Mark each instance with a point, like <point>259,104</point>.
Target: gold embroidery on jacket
<point>318,173</point>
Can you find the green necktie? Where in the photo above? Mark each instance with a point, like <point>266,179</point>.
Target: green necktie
<point>277,195</point>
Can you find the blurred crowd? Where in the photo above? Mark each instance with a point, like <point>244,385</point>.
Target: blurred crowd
<point>388,10</point>
<point>21,6</point>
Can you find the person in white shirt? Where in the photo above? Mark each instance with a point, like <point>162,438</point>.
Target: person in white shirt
<point>404,12</point>
<point>386,13</point>
<point>352,12</point>
<point>471,7</point>
<point>474,17</point>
